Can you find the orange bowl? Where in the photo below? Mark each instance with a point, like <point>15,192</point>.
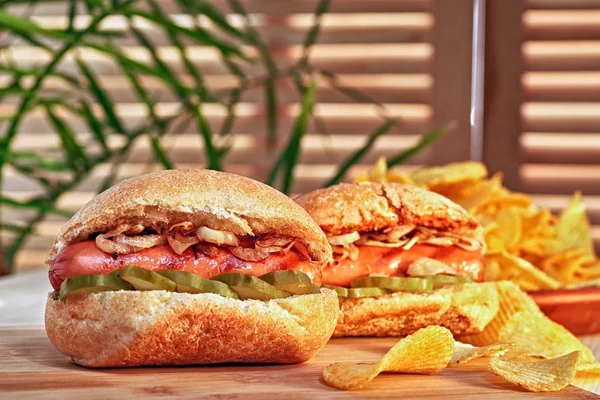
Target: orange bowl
<point>578,310</point>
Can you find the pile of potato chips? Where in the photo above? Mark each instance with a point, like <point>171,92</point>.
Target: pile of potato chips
<point>524,346</point>
<point>525,243</point>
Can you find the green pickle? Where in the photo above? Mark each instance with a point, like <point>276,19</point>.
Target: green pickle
<point>341,291</point>
<point>445,280</point>
<point>394,283</point>
<point>293,281</point>
<point>251,287</point>
<point>144,279</point>
<point>91,284</point>
<point>191,283</point>
<point>366,292</point>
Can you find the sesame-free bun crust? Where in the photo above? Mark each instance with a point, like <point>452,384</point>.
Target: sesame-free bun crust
<point>214,199</point>
<point>133,328</point>
<point>365,207</point>
<point>466,308</point>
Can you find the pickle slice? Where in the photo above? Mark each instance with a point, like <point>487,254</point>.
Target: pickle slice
<point>250,287</point>
<point>144,279</point>
<point>394,283</point>
<point>293,281</point>
<point>191,283</point>
<point>366,292</point>
<point>445,280</point>
<point>91,284</point>
<point>341,291</point>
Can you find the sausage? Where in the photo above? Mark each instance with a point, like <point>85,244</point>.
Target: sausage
<point>86,258</point>
<point>385,261</point>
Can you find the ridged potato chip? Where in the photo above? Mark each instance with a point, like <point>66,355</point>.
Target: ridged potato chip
<point>589,367</point>
<point>534,333</point>
<point>426,351</point>
<point>511,300</point>
<point>464,352</point>
<point>516,269</point>
<point>539,376</point>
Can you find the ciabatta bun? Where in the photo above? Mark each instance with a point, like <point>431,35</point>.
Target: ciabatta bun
<point>365,207</point>
<point>214,199</point>
<point>132,328</point>
<point>466,308</point>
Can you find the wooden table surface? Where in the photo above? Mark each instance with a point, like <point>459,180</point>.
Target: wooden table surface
<point>31,368</point>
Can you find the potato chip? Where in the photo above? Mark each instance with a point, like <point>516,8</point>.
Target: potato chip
<point>514,268</point>
<point>464,352</point>
<point>534,333</point>
<point>589,367</point>
<point>573,227</point>
<point>511,300</point>
<point>539,376</point>
<point>450,173</point>
<point>426,351</point>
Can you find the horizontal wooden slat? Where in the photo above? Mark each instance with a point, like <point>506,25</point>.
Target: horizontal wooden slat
<point>562,4</point>
<point>561,55</point>
<point>562,25</point>
<point>561,86</point>
<point>555,148</point>
<point>277,31</point>
<point>384,88</point>
<point>373,58</point>
<point>339,118</point>
<point>561,117</point>
<point>269,7</point>
<point>560,178</point>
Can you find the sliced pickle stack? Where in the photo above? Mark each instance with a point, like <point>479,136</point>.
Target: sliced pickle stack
<point>274,285</point>
<point>251,287</point>
<point>191,283</point>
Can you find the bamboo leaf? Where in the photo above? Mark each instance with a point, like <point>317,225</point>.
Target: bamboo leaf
<point>72,14</point>
<point>22,72</point>
<point>160,154</point>
<point>360,153</point>
<point>103,98</point>
<point>35,204</point>
<point>20,25</point>
<point>253,37</point>
<point>95,125</point>
<point>289,157</point>
<point>36,160</point>
<point>313,33</point>
<point>76,156</point>
<point>425,141</point>
<point>197,34</point>
<point>234,99</point>
<point>205,8</point>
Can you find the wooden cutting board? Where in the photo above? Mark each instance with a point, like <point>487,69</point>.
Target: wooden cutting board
<point>31,368</point>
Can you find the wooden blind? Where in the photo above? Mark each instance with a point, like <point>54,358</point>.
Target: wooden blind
<point>413,56</point>
<point>543,90</point>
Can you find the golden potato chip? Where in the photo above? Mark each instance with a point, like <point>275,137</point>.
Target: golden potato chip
<point>573,227</point>
<point>449,173</point>
<point>534,333</point>
<point>589,367</point>
<point>570,266</point>
<point>426,351</point>
<point>514,268</point>
<point>538,376</point>
<point>511,300</point>
<point>464,352</point>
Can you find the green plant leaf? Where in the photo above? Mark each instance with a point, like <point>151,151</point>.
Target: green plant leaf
<point>7,226</point>
<point>23,71</point>
<point>95,125</point>
<point>160,154</point>
<point>360,153</point>
<point>35,204</point>
<point>103,98</point>
<point>289,157</point>
<point>425,141</point>
<point>76,156</point>
<point>37,161</point>
<point>205,8</point>
<point>313,33</point>
<point>271,106</point>
<point>20,25</point>
<point>197,34</point>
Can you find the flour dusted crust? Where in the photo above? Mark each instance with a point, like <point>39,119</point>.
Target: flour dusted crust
<point>133,328</point>
<point>214,199</point>
<point>463,309</point>
<point>366,206</point>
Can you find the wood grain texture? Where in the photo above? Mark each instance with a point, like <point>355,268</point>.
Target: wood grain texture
<point>32,368</point>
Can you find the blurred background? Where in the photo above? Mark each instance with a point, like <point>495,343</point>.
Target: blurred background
<point>297,93</point>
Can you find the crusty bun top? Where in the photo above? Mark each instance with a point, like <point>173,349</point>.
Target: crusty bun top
<point>214,199</point>
<point>365,207</point>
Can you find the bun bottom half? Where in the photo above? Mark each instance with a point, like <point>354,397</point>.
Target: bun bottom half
<point>134,328</point>
<point>466,308</point>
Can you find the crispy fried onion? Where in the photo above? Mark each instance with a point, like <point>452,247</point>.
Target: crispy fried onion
<point>341,240</point>
<point>116,240</point>
<point>219,238</point>
<point>181,237</point>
